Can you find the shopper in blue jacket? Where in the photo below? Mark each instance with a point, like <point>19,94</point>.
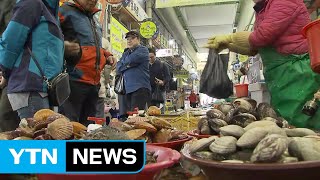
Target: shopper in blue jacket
<point>134,65</point>
<point>34,25</point>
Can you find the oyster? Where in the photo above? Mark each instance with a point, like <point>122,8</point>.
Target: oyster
<point>232,130</point>
<point>270,149</point>
<point>252,137</point>
<point>224,145</point>
<point>305,149</point>
<point>215,113</point>
<point>146,126</point>
<point>242,119</point>
<point>60,129</point>
<point>259,124</point>
<point>201,144</point>
<point>265,110</point>
<point>243,105</point>
<point>216,124</point>
<point>300,132</point>
<point>136,133</point>
<point>106,133</point>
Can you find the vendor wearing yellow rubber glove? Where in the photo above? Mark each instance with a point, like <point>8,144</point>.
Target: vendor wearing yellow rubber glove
<point>284,52</point>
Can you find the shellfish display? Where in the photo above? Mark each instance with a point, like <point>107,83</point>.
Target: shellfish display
<point>242,112</point>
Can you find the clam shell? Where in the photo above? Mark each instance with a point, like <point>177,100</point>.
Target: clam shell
<point>204,155</point>
<point>243,105</point>
<point>146,126</point>
<point>265,110</point>
<point>270,149</point>
<point>288,160</point>
<point>160,123</point>
<point>136,119</point>
<point>201,144</point>
<point>305,149</point>
<point>259,124</point>
<point>242,119</point>
<point>225,108</point>
<point>224,145</point>
<point>201,122</point>
<point>252,102</point>
<point>231,114</point>
<point>153,111</point>
<point>252,137</point>
<point>203,126</point>
<point>43,114</point>
<point>60,129</point>
<point>300,132</point>
<point>232,130</point>
<point>216,124</point>
<point>136,133</point>
<point>215,113</point>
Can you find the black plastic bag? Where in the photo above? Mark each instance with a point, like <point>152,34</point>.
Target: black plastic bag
<point>214,79</point>
<point>119,87</point>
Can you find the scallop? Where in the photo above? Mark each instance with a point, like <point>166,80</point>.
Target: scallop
<point>60,129</point>
<point>43,114</point>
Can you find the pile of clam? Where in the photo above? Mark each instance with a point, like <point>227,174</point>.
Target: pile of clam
<point>46,125</point>
<point>151,129</point>
<point>241,112</point>
<point>254,136</point>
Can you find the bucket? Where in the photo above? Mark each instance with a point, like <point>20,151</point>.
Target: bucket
<point>242,90</point>
<point>312,32</point>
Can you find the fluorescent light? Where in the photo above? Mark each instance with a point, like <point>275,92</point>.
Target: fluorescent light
<point>171,41</point>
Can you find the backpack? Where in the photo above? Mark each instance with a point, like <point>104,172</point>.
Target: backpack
<point>6,7</point>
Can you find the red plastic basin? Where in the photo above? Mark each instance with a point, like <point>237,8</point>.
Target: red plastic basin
<point>177,145</point>
<point>242,90</point>
<point>166,158</point>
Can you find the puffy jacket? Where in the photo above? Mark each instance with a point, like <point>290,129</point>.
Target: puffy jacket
<point>34,24</point>
<point>82,27</point>
<point>134,64</point>
<point>279,25</point>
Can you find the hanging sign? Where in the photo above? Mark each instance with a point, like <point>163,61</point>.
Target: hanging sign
<point>174,3</point>
<point>149,29</point>
<point>135,9</point>
<point>181,74</point>
<point>117,34</point>
<point>164,53</point>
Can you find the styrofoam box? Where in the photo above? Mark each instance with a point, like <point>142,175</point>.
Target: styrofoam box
<point>259,92</point>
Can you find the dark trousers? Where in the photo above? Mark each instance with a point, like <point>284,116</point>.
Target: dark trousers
<point>139,98</point>
<point>82,102</point>
<point>193,105</point>
<point>100,108</point>
<point>9,119</point>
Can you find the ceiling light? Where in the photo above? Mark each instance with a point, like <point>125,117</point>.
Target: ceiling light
<point>171,41</point>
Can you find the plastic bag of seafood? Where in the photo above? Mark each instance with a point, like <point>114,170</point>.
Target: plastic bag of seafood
<point>214,79</point>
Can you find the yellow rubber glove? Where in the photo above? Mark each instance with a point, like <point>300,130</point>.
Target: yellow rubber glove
<point>241,49</point>
<point>217,42</point>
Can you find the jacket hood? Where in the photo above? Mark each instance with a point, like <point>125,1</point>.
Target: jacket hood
<point>77,5</point>
<point>53,6</point>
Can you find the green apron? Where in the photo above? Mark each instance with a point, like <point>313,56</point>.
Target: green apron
<point>291,83</point>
